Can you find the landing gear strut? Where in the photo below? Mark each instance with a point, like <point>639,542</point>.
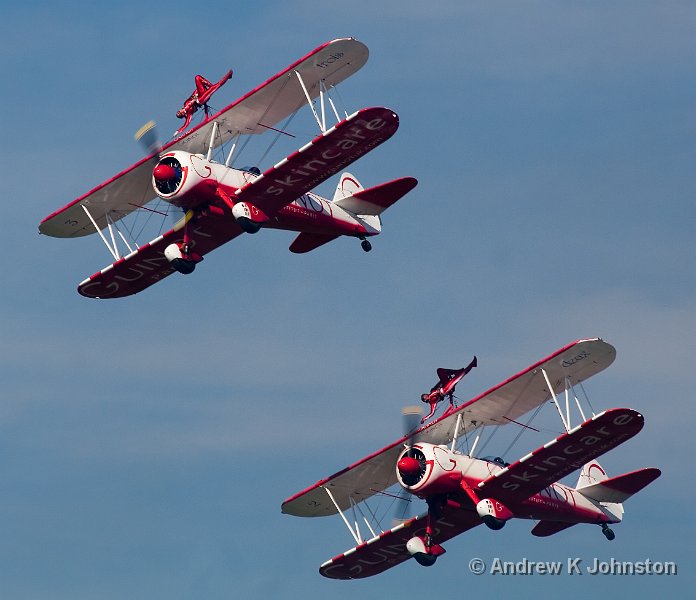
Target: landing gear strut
<point>608,533</point>
<point>422,548</point>
<point>366,246</point>
<point>180,255</point>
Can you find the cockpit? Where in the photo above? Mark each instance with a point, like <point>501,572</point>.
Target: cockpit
<point>496,460</point>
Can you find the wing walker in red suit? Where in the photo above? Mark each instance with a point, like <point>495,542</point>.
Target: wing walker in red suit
<point>444,388</point>
<point>199,98</point>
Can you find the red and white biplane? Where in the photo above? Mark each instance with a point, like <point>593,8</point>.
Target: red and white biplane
<point>462,491</point>
<point>219,201</point>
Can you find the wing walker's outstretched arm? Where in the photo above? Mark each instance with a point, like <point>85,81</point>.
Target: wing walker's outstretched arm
<point>448,380</point>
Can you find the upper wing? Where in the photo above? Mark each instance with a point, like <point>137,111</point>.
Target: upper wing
<point>282,94</point>
<point>264,106</point>
<point>112,200</point>
<point>389,548</point>
<point>560,457</point>
<point>507,401</point>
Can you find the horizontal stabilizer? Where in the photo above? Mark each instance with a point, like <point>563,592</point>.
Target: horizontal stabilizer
<point>388,549</point>
<point>305,242</point>
<point>546,528</point>
<point>377,199</point>
<point>620,488</point>
<point>560,457</point>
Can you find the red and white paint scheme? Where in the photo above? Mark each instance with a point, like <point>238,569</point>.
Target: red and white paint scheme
<point>221,201</point>
<point>462,491</point>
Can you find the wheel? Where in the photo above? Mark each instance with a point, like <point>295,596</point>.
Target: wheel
<point>248,225</point>
<point>366,246</point>
<point>608,533</point>
<point>425,560</point>
<point>183,266</point>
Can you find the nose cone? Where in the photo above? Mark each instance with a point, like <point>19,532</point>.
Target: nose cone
<point>164,172</point>
<point>408,467</point>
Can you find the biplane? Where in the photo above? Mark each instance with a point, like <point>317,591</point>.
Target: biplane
<point>220,201</point>
<point>462,491</point>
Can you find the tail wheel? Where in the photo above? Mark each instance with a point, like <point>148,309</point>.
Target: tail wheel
<point>608,533</point>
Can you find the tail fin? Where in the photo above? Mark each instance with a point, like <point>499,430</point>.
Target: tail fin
<point>347,186</point>
<point>591,473</point>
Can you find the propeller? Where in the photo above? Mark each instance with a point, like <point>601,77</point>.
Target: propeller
<point>408,465</point>
<point>167,173</point>
<point>148,138</point>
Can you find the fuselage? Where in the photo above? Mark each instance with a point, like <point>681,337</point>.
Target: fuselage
<point>190,181</point>
<point>447,473</point>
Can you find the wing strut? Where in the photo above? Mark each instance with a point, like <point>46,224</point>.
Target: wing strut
<point>568,388</point>
<point>476,441</point>
<point>566,424</point>
<point>356,507</point>
<point>354,532</point>
<point>323,91</point>
<point>113,250</point>
<point>456,432</point>
<point>577,401</point>
<point>213,133</point>
<point>322,122</point>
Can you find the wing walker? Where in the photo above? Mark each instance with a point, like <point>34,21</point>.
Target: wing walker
<point>462,490</point>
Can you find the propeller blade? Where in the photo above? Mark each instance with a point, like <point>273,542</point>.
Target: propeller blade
<point>411,420</point>
<point>147,137</point>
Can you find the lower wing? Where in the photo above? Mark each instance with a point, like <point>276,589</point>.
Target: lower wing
<point>389,548</point>
<point>562,456</point>
<point>148,264</point>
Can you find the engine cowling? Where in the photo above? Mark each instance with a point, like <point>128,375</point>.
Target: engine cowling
<point>187,180</point>
<point>428,470</point>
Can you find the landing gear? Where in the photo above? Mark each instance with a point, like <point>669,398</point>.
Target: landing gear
<point>492,523</point>
<point>422,547</point>
<point>423,550</point>
<point>181,258</point>
<point>365,245</point>
<point>248,225</point>
<point>425,560</point>
<point>183,266</point>
<point>608,533</point>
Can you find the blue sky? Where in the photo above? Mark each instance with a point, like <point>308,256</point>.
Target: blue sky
<point>147,443</point>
